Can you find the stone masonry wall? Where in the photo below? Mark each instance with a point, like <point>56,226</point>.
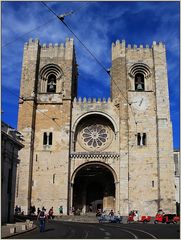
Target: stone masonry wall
<point>146,175</point>
<point>143,174</point>
<point>45,167</point>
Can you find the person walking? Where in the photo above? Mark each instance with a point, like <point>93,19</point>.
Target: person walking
<point>16,210</point>
<point>38,211</point>
<point>111,214</point>
<point>42,218</point>
<point>50,213</point>
<point>61,210</point>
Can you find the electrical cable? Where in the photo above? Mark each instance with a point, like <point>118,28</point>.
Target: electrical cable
<point>95,58</point>
<point>21,37</point>
<point>50,20</point>
<point>106,70</point>
<point>61,18</point>
<point>50,10</point>
<point>21,98</point>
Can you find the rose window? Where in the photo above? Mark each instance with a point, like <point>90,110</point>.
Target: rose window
<point>94,136</point>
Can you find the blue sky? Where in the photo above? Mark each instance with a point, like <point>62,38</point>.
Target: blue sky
<point>97,24</point>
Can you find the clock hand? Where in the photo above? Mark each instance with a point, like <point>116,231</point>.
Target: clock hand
<point>141,102</point>
<point>132,102</point>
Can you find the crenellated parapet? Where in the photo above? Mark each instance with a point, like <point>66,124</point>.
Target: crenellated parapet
<point>31,42</point>
<point>119,49</point>
<point>61,50</point>
<point>84,100</point>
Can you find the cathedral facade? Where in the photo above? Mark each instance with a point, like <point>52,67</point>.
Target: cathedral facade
<point>114,153</point>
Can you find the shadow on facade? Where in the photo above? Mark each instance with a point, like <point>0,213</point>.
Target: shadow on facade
<point>94,189</point>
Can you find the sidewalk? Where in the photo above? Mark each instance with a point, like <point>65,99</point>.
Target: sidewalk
<point>17,228</point>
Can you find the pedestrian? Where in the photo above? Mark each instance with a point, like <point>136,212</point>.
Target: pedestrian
<point>98,213</point>
<point>161,212</point>
<point>44,209</point>
<point>78,211</point>
<point>38,211</point>
<point>90,208</point>
<point>111,213</point>
<point>16,210</point>
<point>135,218</point>
<point>118,217</point>
<point>73,210</point>
<point>42,218</point>
<point>33,210</point>
<point>19,210</point>
<point>61,210</point>
<point>50,213</point>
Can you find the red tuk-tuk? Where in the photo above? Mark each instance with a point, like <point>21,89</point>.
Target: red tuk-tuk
<point>133,217</point>
<point>145,219</point>
<point>161,217</point>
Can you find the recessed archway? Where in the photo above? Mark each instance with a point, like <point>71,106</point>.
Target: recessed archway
<point>93,188</point>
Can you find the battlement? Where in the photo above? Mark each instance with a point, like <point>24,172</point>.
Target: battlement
<point>54,50</point>
<point>69,43</point>
<point>91,100</point>
<point>119,49</point>
<point>120,45</point>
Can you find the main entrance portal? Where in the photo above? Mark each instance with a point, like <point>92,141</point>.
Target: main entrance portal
<point>94,188</point>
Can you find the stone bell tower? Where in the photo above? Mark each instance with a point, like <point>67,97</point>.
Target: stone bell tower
<point>48,85</point>
<point>139,89</point>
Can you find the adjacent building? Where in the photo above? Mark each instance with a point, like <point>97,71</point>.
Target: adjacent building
<point>10,146</point>
<point>177,179</point>
<point>114,153</point>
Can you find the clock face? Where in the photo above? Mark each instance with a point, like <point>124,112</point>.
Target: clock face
<point>140,103</point>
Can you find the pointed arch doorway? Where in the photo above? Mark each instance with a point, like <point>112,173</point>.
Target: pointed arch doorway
<point>93,188</point>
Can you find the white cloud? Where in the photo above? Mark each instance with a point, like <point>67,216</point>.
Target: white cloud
<point>97,24</point>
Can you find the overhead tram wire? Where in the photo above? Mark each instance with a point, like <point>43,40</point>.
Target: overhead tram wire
<point>56,122</point>
<point>20,37</point>
<point>61,18</point>
<point>50,20</point>
<point>21,98</point>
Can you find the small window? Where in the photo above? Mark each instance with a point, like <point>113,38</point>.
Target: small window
<point>47,138</point>
<point>50,138</point>
<point>153,183</point>
<point>144,139</point>
<point>138,139</point>
<point>139,82</point>
<point>51,84</point>
<point>54,178</point>
<point>44,138</point>
<point>141,139</point>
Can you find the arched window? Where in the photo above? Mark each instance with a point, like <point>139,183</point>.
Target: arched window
<point>51,84</point>
<point>139,82</point>
<point>51,80</point>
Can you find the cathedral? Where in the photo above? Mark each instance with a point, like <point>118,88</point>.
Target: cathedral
<point>90,154</point>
